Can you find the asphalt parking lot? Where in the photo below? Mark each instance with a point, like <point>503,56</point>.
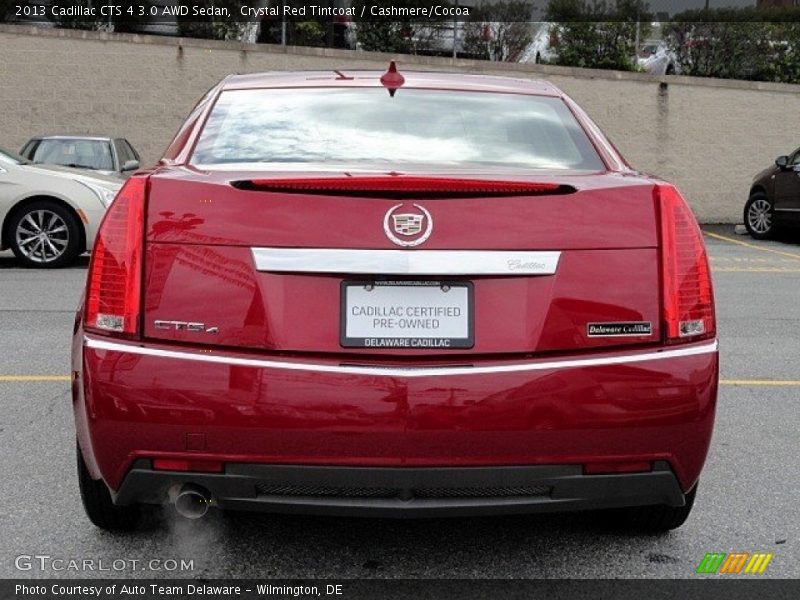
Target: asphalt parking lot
<point>747,501</point>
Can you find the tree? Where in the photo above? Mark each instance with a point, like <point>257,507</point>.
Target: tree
<point>404,35</point>
<point>597,34</point>
<point>726,43</point>
<point>208,26</point>
<point>785,66</point>
<point>499,31</point>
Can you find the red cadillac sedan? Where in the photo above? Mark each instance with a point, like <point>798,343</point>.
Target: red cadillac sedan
<point>394,295</point>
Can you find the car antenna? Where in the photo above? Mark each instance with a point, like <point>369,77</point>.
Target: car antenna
<point>392,80</point>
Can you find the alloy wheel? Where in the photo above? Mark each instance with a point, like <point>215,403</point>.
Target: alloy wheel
<point>42,236</point>
<point>759,216</point>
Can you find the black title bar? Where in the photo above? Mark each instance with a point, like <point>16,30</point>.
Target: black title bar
<point>70,12</point>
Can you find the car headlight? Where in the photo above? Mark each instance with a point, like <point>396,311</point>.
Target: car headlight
<point>104,194</point>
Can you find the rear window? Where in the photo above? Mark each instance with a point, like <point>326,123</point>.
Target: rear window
<point>79,153</point>
<point>416,126</point>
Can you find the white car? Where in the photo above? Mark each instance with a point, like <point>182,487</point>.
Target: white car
<point>49,215</point>
<point>657,59</point>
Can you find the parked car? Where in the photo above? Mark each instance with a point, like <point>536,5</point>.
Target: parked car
<point>49,215</point>
<point>656,58</point>
<point>394,295</point>
<point>774,200</point>
<point>107,155</point>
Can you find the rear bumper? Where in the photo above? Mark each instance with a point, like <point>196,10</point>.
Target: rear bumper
<point>408,492</point>
<point>137,401</point>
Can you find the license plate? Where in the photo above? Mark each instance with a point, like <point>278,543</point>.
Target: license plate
<point>407,314</point>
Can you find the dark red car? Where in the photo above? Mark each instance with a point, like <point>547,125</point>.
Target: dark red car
<point>398,295</point>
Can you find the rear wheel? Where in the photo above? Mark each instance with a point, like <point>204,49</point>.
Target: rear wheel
<point>658,518</point>
<point>45,234</point>
<point>98,505</point>
<point>759,216</point>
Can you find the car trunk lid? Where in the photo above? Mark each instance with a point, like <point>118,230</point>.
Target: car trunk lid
<point>573,259</point>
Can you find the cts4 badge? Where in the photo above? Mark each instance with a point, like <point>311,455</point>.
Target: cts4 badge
<point>184,326</point>
<point>415,225</point>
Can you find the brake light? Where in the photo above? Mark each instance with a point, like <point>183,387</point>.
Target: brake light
<point>115,271</point>
<point>403,184</point>
<point>688,309</point>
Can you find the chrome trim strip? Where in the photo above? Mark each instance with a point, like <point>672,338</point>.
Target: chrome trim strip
<point>405,262</point>
<point>99,344</point>
<point>786,209</point>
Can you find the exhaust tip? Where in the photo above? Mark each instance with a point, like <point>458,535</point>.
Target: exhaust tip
<point>192,501</point>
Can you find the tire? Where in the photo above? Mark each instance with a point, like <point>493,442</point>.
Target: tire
<point>655,519</point>
<point>45,234</point>
<point>759,216</point>
<point>98,505</point>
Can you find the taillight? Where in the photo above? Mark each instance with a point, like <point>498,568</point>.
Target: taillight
<point>115,271</point>
<point>686,277</point>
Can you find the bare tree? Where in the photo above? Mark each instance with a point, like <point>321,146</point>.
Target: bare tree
<point>499,31</point>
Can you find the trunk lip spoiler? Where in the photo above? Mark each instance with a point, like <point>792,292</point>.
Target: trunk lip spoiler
<point>406,262</point>
<point>408,372</point>
<point>395,184</point>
